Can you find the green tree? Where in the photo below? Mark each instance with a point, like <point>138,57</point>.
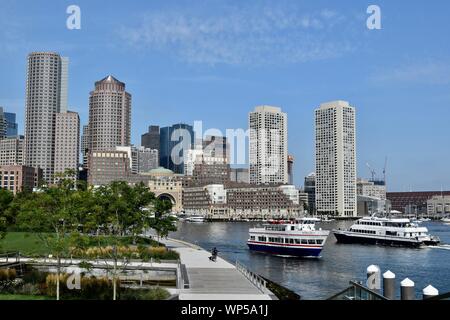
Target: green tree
<point>6,197</point>
<point>162,223</point>
<point>50,214</point>
<point>122,213</point>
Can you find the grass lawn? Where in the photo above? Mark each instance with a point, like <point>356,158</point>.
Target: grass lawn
<point>23,297</point>
<point>27,243</point>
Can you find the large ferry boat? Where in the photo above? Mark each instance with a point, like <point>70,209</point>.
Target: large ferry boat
<point>297,238</point>
<point>386,231</point>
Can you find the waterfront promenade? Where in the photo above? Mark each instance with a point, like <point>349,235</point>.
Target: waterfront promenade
<point>213,280</point>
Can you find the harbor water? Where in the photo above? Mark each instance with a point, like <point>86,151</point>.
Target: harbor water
<point>339,263</point>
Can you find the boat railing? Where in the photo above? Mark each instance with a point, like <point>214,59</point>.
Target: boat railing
<point>254,278</point>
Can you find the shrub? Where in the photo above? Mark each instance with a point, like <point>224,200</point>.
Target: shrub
<point>148,294</point>
<point>7,274</point>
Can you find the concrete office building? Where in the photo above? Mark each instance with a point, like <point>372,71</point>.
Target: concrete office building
<point>11,151</point>
<point>67,141</point>
<point>336,159</point>
<point>108,166</point>
<point>369,188</point>
<point>17,178</point>
<point>438,206</point>
<point>46,95</point>
<point>268,146</point>
<point>174,142</point>
<point>109,115</point>
<point>151,138</point>
<point>239,175</point>
<point>141,159</point>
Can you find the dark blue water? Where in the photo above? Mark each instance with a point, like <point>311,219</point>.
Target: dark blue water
<point>340,263</point>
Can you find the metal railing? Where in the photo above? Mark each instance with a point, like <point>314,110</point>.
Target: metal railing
<point>11,257</point>
<point>254,278</point>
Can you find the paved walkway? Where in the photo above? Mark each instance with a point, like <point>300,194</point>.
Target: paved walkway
<point>212,280</point>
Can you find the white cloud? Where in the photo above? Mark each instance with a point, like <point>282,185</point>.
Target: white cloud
<point>256,35</point>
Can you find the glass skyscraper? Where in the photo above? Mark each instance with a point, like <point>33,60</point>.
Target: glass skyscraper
<point>11,125</point>
<point>174,141</point>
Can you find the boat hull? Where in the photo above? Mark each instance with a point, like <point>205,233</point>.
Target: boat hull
<point>355,239</point>
<point>286,251</point>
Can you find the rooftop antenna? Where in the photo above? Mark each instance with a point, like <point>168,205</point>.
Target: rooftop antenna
<point>384,171</point>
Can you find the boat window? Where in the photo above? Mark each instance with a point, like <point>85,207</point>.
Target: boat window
<point>304,241</point>
<point>261,238</point>
<point>319,241</point>
<point>311,242</point>
<point>292,228</point>
<point>252,237</point>
<point>297,241</point>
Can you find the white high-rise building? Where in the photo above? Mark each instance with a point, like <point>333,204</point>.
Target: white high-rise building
<point>46,95</point>
<point>268,146</point>
<point>336,159</point>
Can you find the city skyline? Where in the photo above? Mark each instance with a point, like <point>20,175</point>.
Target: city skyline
<point>391,114</point>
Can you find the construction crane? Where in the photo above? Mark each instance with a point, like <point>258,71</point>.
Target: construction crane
<point>372,171</point>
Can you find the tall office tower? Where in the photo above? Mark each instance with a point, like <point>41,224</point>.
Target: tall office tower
<point>268,146</point>
<point>46,95</point>
<point>336,159</point>
<point>310,189</point>
<point>174,142</point>
<point>67,141</point>
<point>290,169</point>
<point>150,139</point>
<point>109,115</point>
<point>3,124</point>
<point>11,151</point>
<point>11,125</point>
<point>85,145</point>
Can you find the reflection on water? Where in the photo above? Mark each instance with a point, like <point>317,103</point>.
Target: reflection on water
<point>321,278</point>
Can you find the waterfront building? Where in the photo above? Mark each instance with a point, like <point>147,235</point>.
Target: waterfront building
<point>67,141</point>
<point>17,178</point>
<point>413,203</point>
<point>11,151</point>
<point>268,146</point>
<point>174,142</point>
<point>11,125</point>
<point>108,166</point>
<point>370,188</point>
<point>85,145</point>
<point>438,206</point>
<point>290,169</point>
<point>335,159</point>
<point>46,95</point>
<point>151,138</point>
<point>310,190</point>
<point>109,115</point>
<point>209,200</point>
<point>239,175</point>
<point>166,185</point>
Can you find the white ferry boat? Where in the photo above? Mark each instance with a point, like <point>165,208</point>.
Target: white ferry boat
<point>386,231</point>
<point>198,219</point>
<point>288,238</point>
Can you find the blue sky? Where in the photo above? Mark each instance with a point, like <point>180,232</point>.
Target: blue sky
<point>215,60</point>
